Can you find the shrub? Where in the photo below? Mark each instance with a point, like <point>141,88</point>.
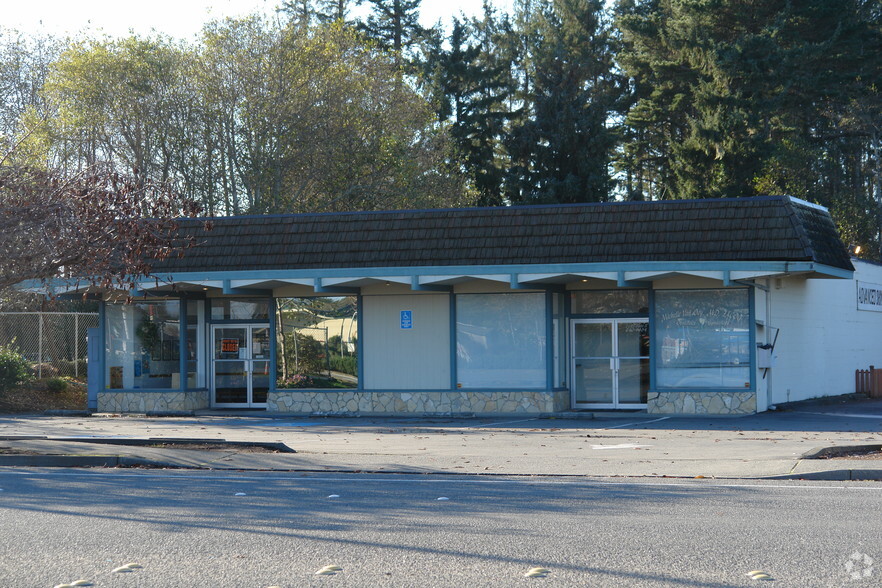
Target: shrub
<point>14,368</point>
<point>347,364</point>
<point>295,381</point>
<point>56,385</point>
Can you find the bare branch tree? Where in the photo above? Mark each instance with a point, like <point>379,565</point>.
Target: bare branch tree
<point>98,227</point>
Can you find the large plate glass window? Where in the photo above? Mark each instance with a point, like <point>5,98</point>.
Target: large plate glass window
<point>317,342</point>
<point>501,341</point>
<point>703,338</point>
<point>143,345</point>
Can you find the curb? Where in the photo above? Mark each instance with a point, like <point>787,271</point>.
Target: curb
<point>75,461</point>
<point>834,476</point>
<point>839,450</point>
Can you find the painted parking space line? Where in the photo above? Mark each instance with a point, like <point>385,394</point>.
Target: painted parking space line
<point>503,423</point>
<point>637,423</point>
<point>845,415</point>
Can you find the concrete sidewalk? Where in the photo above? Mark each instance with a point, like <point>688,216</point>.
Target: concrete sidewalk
<point>769,445</point>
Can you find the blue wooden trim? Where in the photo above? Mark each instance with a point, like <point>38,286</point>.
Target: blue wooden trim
<point>453,354</point>
<point>182,344</point>
<point>671,266</point>
<point>152,390</point>
<point>783,267</point>
<point>623,283</point>
<point>653,341</point>
<point>359,348</point>
<point>611,315</point>
<point>318,288</point>
<point>549,340</point>
<point>102,324</point>
<point>416,286</point>
<point>726,278</point>
<point>751,326</point>
<point>506,389</point>
<point>228,289</point>
<point>273,346</point>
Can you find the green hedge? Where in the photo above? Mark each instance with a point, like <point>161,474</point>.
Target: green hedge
<point>344,363</point>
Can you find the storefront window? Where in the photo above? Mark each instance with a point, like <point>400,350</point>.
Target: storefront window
<point>143,345</point>
<point>703,338</point>
<point>317,342</point>
<point>501,341</point>
<point>610,302</point>
<point>236,309</point>
<point>195,344</point>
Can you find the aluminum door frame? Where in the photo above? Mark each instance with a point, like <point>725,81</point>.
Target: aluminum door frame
<point>613,322</point>
<point>249,365</point>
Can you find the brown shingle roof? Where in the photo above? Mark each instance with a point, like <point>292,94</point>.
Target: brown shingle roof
<point>744,229</point>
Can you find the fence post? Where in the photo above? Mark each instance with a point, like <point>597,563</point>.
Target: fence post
<point>77,345</point>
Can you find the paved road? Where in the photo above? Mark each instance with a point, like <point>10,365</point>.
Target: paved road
<point>195,528</point>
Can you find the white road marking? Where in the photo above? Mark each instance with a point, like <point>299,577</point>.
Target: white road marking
<point>620,446</point>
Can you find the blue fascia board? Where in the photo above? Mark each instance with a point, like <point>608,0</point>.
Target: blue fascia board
<point>836,272</point>
<point>228,289</point>
<point>368,272</point>
<point>417,287</point>
<point>783,267</point>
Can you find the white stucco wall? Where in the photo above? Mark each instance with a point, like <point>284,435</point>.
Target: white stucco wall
<point>824,338</point>
<point>406,359</point>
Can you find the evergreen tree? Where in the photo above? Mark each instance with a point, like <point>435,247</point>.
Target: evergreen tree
<point>739,97</point>
<point>471,88</point>
<point>561,146</point>
<point>394,24</point>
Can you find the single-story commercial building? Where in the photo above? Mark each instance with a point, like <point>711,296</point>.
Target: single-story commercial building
<point>698,307</point>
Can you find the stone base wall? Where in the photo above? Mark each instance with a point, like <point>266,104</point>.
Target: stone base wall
<point>416,403</point>
<point>701,403</point>
<point>133,401</point>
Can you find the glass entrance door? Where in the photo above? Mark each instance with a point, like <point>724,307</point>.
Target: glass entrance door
<point>240,366</point>
<point>610,362</point>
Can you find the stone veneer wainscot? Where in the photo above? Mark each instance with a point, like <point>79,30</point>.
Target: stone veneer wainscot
<point>701,403</point>
<point>416,403</point>
<point>134,401</point>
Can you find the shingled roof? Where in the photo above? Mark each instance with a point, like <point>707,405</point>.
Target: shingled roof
<point>773,228</point>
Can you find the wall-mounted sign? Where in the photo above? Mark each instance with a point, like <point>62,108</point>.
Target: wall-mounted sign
<point>229,346</point>
<point>869,296</point>
<point>406,319</point>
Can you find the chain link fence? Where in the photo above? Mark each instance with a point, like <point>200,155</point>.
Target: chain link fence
<point>54,342</point>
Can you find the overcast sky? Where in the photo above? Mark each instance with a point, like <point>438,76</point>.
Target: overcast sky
<point>178,18</point>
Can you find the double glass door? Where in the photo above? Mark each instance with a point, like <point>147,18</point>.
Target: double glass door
<point>610,362</point>
<point>240,366</point>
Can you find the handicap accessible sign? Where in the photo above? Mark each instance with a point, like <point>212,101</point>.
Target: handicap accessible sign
<point>406,319</point>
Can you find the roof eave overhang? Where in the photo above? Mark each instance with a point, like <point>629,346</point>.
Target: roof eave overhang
<point>343,281</point>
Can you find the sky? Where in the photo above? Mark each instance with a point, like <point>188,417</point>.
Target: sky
<point>177,18</point>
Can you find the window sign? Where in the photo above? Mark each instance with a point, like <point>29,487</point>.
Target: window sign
<point>406,319</point>
<point>703,338</point>
<point>869,296</point>
<point>229,346</point>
